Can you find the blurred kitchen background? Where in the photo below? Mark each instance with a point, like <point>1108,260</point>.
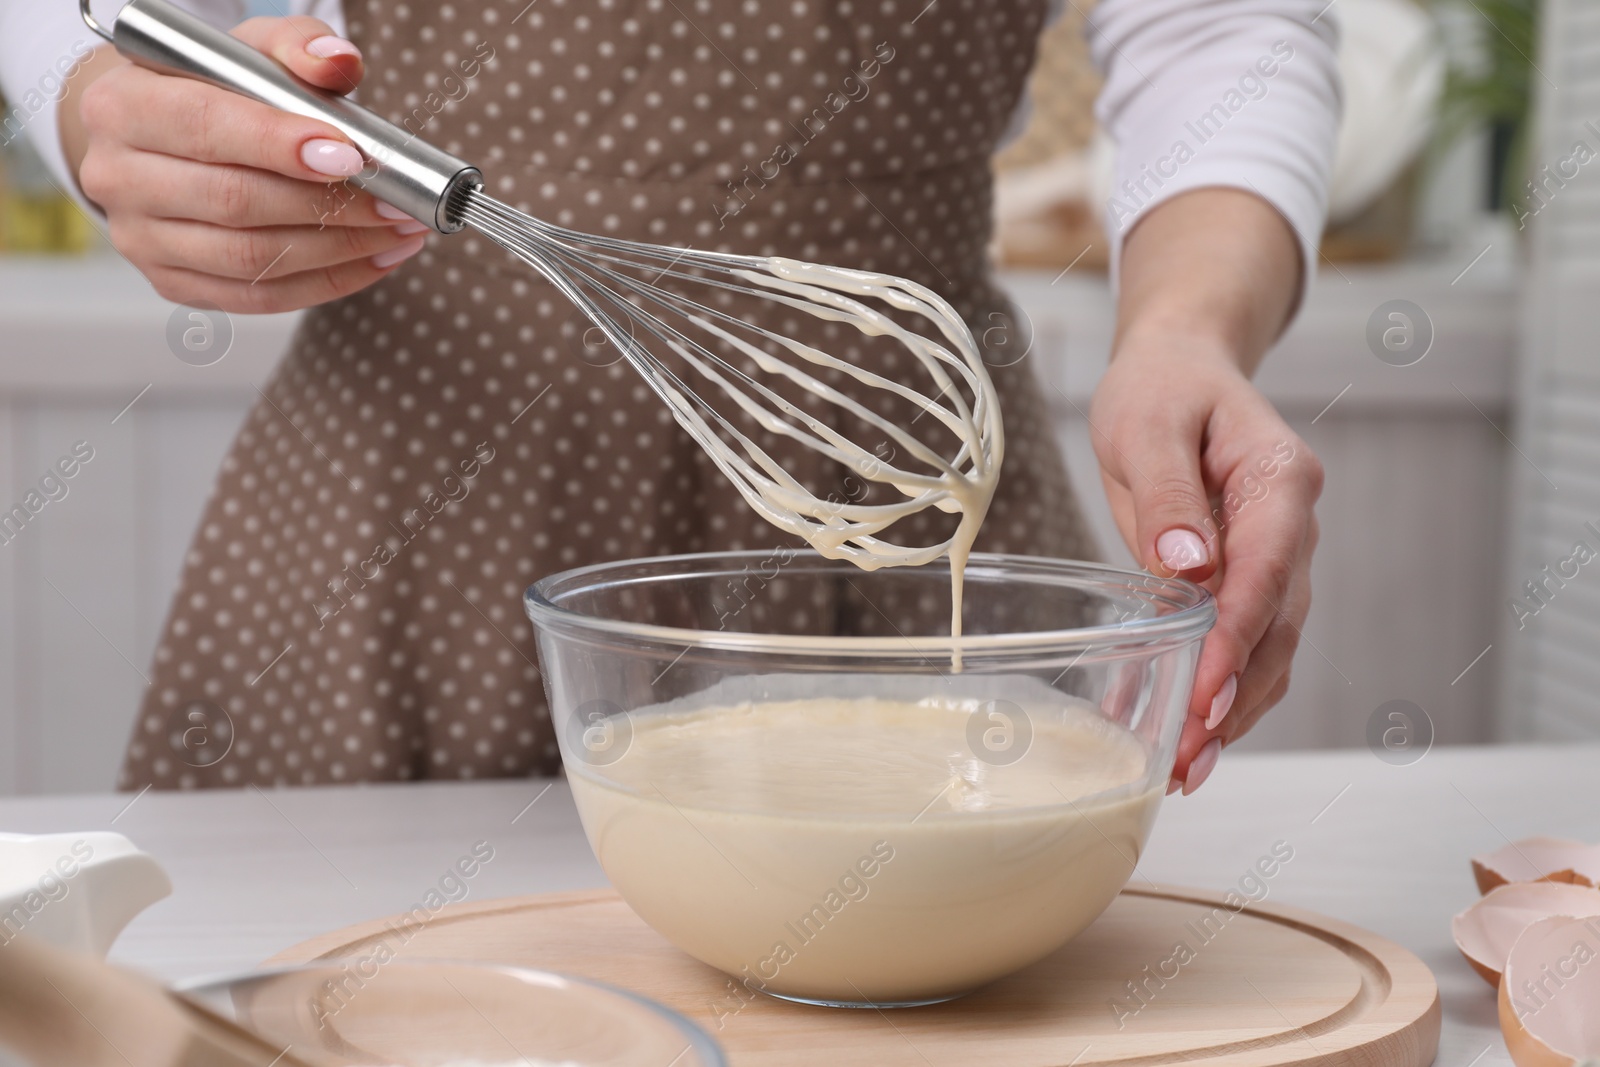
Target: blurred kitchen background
<point>1461,439</point>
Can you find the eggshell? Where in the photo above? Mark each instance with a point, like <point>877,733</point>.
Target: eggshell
<point>1538,859</point>
<point>1550,993</point>
<point>1486,931</point>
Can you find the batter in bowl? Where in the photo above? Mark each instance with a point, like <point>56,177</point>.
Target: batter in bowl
<point>853,850</point>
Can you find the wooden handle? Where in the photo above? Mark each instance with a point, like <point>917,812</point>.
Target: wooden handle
<point>58,1007</point>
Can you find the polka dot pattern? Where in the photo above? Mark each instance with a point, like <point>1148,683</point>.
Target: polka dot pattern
<point>433,444</point>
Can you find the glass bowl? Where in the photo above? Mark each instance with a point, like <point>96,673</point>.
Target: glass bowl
<point>781,769</point>
<point>371,1012</point>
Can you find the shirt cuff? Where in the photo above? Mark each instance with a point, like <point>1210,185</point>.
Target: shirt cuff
<point>43,47</point>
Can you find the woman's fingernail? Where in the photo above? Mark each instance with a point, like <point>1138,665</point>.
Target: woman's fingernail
<point>1181,549</point>
<point>389,211</point>
<point>330,46</point>
<point>398,254</point>
<point>1173,786</point>
<point>1200,768</point>
<point>333,158</point>
<point>411,226</point>
<point>1222,702</point>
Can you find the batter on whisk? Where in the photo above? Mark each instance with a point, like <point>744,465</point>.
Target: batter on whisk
<point>693,355</point>
<point>439,434</point>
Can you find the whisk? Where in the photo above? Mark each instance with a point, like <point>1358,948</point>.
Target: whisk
<point>685,349</point>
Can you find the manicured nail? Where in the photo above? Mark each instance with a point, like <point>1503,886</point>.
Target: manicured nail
<point>1222,702</point>
<point>330,46</point>
<point>1173,786</point>
<point>389,211</point>
<point>406,229</point>
<point>333,158</point>
<point>398,254</point>
<point>1200,768</point>
<point>1181,549</point>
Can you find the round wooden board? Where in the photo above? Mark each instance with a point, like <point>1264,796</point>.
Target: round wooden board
<point>1263,985</point>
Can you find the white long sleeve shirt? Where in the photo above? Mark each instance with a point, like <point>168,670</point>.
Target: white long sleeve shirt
<point>1237,93</point>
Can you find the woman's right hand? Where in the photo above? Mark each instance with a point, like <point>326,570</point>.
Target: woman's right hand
<point>220,199</point>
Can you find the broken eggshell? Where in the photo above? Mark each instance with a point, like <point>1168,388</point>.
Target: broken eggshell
<point>1538,859</point>
<point>1486,931</point>
<point>1550,993</point>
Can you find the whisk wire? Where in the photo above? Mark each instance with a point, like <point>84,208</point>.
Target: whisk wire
<point>600,276</point>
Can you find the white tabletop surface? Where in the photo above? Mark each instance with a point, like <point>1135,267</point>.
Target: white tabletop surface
<point>1382,846</point>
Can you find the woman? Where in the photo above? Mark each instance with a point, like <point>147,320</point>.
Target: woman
<point>434,439</point>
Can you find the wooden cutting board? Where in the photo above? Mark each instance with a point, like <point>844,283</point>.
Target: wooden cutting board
<point>1264,985</point>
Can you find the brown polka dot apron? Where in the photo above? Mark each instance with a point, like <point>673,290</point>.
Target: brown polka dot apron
<point>350,609</point>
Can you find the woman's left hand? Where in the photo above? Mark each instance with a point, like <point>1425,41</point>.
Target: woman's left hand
<point>1206,481</point>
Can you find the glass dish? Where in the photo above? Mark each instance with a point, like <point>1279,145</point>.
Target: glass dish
<point>370,1012</point>
<point>1054,742</point>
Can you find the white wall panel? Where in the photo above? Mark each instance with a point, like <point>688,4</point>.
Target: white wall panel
<point>1552,685</point>
<point>11,736</point>
<point>83,557</point>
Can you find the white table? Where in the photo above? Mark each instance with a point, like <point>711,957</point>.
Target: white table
<point>1382,846</point>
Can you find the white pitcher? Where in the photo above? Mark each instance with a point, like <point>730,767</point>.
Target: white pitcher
<point>75,890</point>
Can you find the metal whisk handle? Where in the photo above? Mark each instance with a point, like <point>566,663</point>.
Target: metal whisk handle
<point>402,170</point>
